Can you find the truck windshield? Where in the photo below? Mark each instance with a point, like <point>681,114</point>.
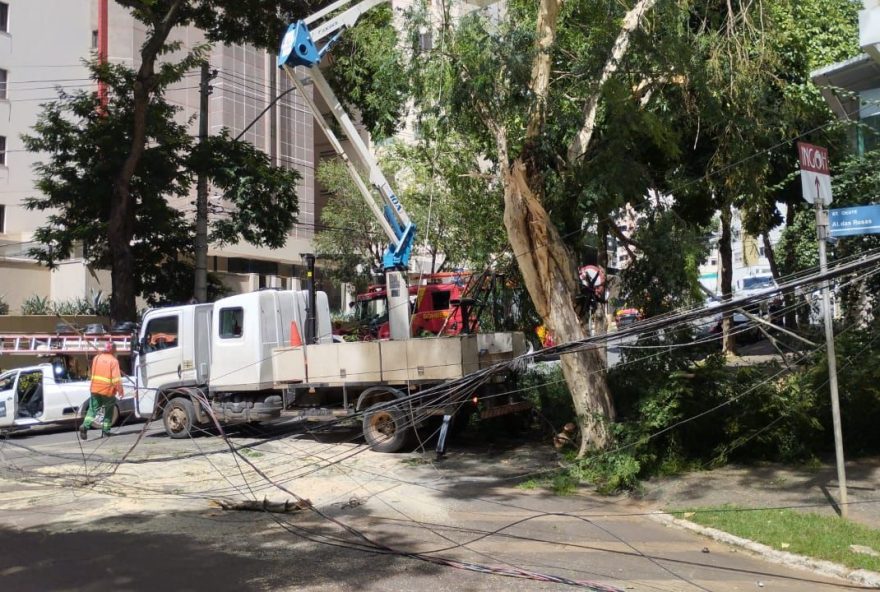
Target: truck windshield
<point>757,283</point>
<point>7,380</point>
<point>367,310</point>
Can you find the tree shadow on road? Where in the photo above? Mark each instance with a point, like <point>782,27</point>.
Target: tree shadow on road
<point>236,551</point>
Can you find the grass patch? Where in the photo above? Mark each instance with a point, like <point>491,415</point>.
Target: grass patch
<point>562,483</point>
<point>804,533</point>
<point>530,484</point>
<point>415,461</point>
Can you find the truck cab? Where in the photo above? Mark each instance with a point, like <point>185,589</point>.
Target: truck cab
<point>221,351</point>
<point>435,309</point>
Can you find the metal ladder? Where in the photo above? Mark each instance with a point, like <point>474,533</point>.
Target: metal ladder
<point>33,344</point>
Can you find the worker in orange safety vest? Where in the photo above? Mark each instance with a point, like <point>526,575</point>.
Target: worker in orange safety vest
<point>106,382</point>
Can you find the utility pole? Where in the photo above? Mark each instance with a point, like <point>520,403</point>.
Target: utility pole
<point>822,232</point>
<point>201,280</point>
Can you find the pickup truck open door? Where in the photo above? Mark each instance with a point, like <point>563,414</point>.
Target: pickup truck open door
<point>8,400</point>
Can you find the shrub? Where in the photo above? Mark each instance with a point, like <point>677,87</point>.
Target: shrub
<point>36,305</point>
<point>4,306</point>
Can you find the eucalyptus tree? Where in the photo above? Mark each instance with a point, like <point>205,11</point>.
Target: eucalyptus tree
<point>530,86</point>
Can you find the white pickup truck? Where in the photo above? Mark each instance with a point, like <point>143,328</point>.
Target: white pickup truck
<point>36,396</point>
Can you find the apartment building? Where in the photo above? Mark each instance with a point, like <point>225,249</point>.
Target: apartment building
<point>852,87</point>
<point>42,47</point>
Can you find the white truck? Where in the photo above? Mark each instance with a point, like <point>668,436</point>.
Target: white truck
<point>38,396</point>
<point>232,361</point>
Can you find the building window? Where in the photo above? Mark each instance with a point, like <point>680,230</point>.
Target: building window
<point>241,265</point>
<point>95,39</point>
<point>4,17</point>
<point>426,41</point>
<point>2,150</point>
<point>4,77</point>
<point>2,219</point>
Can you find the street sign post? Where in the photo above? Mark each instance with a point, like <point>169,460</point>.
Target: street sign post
<point>855,221</point>
<point>816,184</point>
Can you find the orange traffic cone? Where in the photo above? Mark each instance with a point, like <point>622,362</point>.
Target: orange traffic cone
<point>295,340</point>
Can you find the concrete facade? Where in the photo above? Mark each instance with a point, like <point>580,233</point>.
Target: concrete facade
<point>43,49</point>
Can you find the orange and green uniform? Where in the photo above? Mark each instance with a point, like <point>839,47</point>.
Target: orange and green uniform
<point>106,383</point>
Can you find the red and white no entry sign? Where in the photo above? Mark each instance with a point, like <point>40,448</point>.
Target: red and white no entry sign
<point>815,173</point>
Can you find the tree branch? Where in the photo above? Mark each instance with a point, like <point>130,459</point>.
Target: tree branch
<point>631,22</point>
<point>548,17</point>
<point>628,243</point>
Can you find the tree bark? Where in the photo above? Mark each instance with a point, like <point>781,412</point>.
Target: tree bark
<point>631,22</point>
<point>771,256</point>
<point>549,277</point>
<point>725,254</point>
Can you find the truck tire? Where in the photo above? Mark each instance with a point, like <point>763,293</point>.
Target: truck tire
<point>179,417</point>
<point>386,428</point>
<point>99,417</point>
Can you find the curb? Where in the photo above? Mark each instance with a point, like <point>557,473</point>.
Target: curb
<point>863,577</point>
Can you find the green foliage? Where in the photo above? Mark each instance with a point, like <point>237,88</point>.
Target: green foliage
<point>546,388</point>
<point>36,305</point>
<point>366,72</point>
<point>259,199</point>
<point>610,472</point>
<point>677,412</point>
<point>666,275</point>
<point>85,150</point>
<point>857,182</point>
<point>96,305</point>
<point>349,234</point>
<point>144,130</point>
<point>4,306</point>
<point>858,375</point>
<point>437,179</point>
<point>798,242</point>
<point>458,217</point>
<point>259,22</point>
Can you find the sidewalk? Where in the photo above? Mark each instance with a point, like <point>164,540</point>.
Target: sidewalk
<point>804,489</point>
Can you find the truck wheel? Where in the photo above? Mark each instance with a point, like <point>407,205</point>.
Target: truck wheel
<point>386,429</point>
<point>99,416</point>
<point>179,417</point>
<point>114,416</point>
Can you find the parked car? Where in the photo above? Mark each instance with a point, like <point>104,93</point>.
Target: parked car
<point>760,285</point>
<point>709,327</point>
<point>37,396</point>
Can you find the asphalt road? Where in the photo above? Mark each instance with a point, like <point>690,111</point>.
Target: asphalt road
<point>154,525</point>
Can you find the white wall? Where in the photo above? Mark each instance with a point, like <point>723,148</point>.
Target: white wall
<point>43,49</point>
